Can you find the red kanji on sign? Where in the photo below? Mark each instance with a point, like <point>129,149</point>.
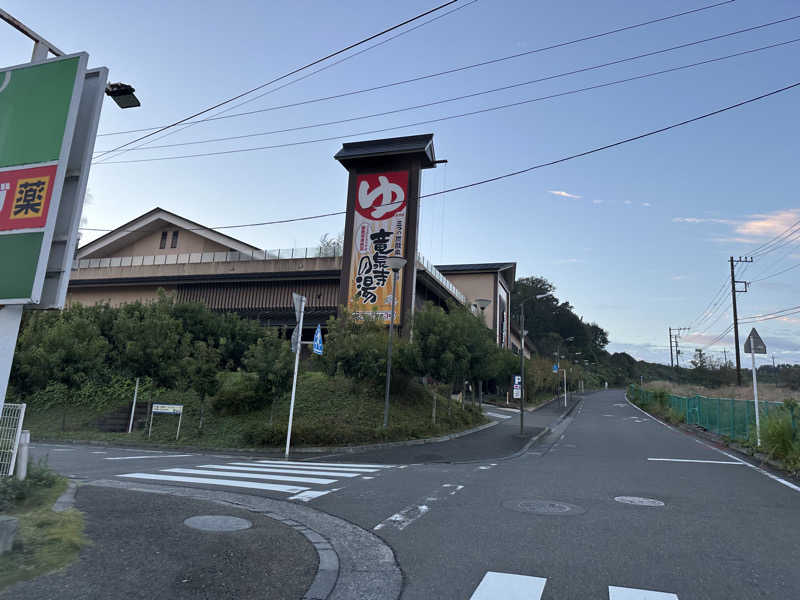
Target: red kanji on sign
<point>25,197</point>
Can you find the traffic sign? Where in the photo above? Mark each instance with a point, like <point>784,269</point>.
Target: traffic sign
<point>754,344</point>
<point>517,391</point>
<point>299,305</point>
<point>317,348</point>
<point>555,368</point>
<point>517,379</point>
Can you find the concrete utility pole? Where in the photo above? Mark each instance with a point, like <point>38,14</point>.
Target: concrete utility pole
<point>734,291</point>
<point>671,361</point>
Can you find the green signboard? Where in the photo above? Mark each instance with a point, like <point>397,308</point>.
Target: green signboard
<point>38,109</point>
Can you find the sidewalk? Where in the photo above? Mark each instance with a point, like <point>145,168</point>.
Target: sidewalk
<point>141,548</point>
<point>494,443</point>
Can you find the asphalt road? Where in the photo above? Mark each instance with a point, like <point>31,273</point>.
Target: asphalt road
<point>548,518</point>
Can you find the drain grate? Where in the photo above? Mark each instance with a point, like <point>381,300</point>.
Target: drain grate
<point>543,507</point>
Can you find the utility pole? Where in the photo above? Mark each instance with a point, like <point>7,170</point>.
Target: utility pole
<point>725,354</point>
<point>774,370</point>
<point>734,291</point>
<point>671,362</point>
<point>674,334</point>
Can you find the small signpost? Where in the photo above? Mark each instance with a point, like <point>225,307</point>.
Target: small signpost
<point>517,387</point>
<point>555,368</point>
<point>755,345</point>
<point>166,409</point>
<point>318,341</point>
<point>297,338</point>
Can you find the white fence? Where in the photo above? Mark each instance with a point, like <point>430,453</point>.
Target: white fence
<point>10,430</point>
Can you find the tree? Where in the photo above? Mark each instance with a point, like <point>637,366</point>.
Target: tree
<point>272,361</point>
<point>201,368</point>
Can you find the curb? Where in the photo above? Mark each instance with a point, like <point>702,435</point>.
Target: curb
<point>299,450</point>
<point>541,434</point>
<point>353,562</point>
<point>67,499</point>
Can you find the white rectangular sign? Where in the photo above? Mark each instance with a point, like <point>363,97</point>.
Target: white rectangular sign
<point>168,409</point>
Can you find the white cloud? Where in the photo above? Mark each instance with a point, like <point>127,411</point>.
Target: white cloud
<point>563,194</point>
<point>569,261</point>
<point>646,204</point>
<point>597,201</point>
<point>679,277</point>
<point>628,202</point>
<point>751,229</point>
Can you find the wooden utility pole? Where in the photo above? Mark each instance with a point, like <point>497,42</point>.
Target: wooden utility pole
<point>671,361</point>
<point>734,291</point>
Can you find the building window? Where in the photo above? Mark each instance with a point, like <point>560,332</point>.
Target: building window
<point>174,240</point>
<point>163,243</point>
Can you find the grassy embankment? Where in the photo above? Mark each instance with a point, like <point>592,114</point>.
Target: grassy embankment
<point>767,392</point>
<point>329,411</point>
<point>46,541</point>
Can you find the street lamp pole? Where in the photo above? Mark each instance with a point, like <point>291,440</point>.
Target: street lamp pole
<point>395,263</point>
<point>522,359</point>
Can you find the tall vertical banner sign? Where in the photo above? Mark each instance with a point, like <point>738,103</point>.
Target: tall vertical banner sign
<point>38,110</point>
<point>379,231</point>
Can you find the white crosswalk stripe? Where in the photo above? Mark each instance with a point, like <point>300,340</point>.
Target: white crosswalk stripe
<point>511,586</point>
<point>290,477</point>
<point>497,416</point>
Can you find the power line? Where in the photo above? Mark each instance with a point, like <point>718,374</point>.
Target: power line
<point>560,160</point>
<point>219,114</point>
<point>776,274</point>
<point>289,74</point>
<point>454,70</point>
<point>473,95</point>
<point>763,248</point>
<point>770,314</point>
<point>436,120</point>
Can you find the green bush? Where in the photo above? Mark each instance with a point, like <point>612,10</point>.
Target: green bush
<point>776,436</point>
<point>236,394</point>
<point>14,492</point>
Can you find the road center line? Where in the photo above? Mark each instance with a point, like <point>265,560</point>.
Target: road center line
<point>408,515</point>
<point>148,456</point>
<point>696,460</point>
<point>509,586</point>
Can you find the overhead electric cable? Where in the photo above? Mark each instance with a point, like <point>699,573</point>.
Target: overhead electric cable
<point>553,162</point>
<point>449,71</point>
<point>776,274</point>
<point>289,74</point>
<point>466,96</point>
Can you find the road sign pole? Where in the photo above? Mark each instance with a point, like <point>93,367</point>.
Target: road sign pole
<point>565,388</point>
<point>294,380</point>
<point>133,406</point>
<point>10,317</point>
<point>755,395</point>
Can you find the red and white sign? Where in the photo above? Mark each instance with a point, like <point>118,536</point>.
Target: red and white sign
<point>381,196</point>
<point>25,197</point>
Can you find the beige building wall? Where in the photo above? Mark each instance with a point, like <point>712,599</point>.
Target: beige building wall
<point>188,242</point>
<point>474,286</point>
<point>116,295</point>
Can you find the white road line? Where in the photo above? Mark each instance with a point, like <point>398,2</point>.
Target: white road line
<point>695,460</point>
<point>788,484</point>
<point>311,494</point>
<point>99,452</point>
<point>290,489</point>
<point>321,464</point>
<point>621,593</point>
<point>509,586</point>
<point>408,515</point>
<point>497,416</point>
<point>265,469</point>
<point>296,465</point>
<point>148,456</point>
<point>251,476</point>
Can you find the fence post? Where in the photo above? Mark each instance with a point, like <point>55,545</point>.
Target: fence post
<point>719,415</point>
<point>733,419</point>
<point>794,423</point>
<point>746,420</point>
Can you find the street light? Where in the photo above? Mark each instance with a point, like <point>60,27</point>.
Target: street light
<point>522,359</point>
<point>123,95</point>
<point>481,303</point>
<point>395,263</point>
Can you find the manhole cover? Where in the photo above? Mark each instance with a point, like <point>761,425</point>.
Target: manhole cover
<point>543,507</point>
<point>637,501</point>
<point>217,523</point>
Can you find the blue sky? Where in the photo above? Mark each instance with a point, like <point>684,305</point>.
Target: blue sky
<point>636,238</point>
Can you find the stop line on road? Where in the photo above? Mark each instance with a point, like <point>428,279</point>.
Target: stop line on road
<point>510,586</point>
<point>289,477</point>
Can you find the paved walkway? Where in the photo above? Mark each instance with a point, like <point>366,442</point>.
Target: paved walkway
<point>496,442</point>
<point>141,548</point>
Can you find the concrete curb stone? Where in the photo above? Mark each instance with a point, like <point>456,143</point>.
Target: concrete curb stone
<point>353,562</point>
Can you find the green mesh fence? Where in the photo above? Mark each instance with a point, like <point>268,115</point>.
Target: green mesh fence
<point>724,416</point>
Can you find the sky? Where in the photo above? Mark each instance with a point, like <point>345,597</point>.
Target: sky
<point>636,238</point>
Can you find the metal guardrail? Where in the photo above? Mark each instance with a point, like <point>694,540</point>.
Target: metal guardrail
<point>437,275</point>
<point>193,258</point>
<point>10,430</point>
<point>206,257</point>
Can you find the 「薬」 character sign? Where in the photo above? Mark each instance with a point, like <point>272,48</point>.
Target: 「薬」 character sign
<point>379,231</point>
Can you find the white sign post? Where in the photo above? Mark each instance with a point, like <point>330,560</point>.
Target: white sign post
<point>755,345</point>
<point>133,406</point>
<point>297,338</point>
<point>166,409</point>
